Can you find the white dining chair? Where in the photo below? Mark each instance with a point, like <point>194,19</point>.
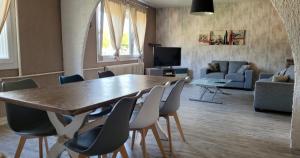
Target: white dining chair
<point>145,117</point>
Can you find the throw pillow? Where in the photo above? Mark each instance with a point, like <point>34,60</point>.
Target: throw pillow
<point>214,67</point>
<point>280,78</point>
<point>281,72</point>
<point>243,68</point>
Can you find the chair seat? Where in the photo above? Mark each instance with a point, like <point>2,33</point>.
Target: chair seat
<point>44,128</point>
<point>81,142</point>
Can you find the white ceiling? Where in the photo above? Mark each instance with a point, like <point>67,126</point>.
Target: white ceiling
<point>167,3</point>
<point>176,3</point>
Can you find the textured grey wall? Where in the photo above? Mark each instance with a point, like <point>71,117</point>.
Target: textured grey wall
<point>267,44</point>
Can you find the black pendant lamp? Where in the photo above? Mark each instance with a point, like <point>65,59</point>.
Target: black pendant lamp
<point>202,7</point>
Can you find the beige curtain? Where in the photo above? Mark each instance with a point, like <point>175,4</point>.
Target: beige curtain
<point>5,4</point>
<point>139,23</point>
<point>115,12</point>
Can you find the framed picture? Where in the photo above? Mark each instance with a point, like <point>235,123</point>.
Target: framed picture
<point>237,37</point>
<point>204,38</point>
<point>223,37</point>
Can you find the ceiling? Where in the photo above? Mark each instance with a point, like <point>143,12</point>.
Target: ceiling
<point>167,3</point>
<point>176,3</point>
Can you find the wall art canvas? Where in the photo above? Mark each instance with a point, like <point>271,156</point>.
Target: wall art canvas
<point>223,37</point>
<point>204,38</point>
<point>238,37</point>
<point>219,37</point>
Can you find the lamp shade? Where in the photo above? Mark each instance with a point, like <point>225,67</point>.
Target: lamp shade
<point>202,7</point>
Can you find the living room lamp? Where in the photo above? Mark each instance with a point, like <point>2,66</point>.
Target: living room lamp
<point>202,7</point>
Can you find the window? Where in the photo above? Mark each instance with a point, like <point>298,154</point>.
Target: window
<point>105,50</point>
<point>8,42</point>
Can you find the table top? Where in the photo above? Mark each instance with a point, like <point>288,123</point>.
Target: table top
<point>211,82</point>
<point>80,97</point>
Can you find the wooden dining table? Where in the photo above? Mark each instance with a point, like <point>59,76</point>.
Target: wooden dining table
<point>80,99</point>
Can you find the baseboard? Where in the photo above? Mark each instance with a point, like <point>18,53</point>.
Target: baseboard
<point>3,121</point>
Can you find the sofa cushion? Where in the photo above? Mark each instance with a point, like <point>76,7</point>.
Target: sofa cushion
<point>235,77</point>
<point>290,73</point>
<point>216,75</point>
<point>235,65</point>
<point>223,65</point>
<point>213,67</point>
<point>243,68</point>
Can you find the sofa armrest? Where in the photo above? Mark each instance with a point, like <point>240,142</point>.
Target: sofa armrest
<point>265,75</point>
<point>248,79</point>
<point>276,96</point>
<point>203,72</point>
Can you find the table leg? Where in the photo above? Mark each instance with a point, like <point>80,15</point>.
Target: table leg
<point>64,133</point>
<point>205,90</point>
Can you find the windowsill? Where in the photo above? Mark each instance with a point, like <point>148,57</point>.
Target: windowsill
<point>122,59</point>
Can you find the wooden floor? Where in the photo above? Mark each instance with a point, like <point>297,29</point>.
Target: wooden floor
<point>229,130</point>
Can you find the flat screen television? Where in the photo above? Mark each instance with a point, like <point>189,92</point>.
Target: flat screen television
<point>167,56</point>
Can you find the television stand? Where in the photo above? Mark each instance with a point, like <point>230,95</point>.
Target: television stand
<point>170,72</point>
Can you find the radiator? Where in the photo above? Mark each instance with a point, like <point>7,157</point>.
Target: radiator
<point>136,68</point>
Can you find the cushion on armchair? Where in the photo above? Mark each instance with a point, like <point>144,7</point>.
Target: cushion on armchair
<point>280,78</point>
<point>290,73</point>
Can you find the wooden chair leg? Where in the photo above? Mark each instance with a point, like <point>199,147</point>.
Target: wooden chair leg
<point>155,133</point>
<point>133,139</point>
<point>123,152</point>
<point>46,144</point>
<point>146,132</point>
<point>143,133</point>
<point>115,153</point>
<point>169,133</point>
<point>41,147</point>
<point>179,126</point>
<point>20,147</point>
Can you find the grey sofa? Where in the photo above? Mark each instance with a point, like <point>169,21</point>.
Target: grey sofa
<point>274,96</point>
<point>228,70</point>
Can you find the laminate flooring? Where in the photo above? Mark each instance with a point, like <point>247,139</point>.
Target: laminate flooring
<point>228,130</point>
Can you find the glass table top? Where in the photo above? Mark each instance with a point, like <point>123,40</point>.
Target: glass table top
<point>210,82</point>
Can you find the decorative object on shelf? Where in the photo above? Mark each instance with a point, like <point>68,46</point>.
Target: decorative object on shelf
<point>202,7</point>
<point>223,37</point>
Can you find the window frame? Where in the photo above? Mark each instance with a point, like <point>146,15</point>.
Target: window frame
<point>99,34</point>
<point>12,39</point>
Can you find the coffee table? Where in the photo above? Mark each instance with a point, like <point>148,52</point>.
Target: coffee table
<point>212,86</point>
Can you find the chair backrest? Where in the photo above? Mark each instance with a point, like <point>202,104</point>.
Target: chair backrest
<point>115,131</point>
<point>172,102</point>
<point>105,74</point>
<point>70,79</point>
<point>19,117</point>
<point>149,112</point>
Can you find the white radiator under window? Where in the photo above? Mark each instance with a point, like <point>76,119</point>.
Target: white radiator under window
<point>136,68</point>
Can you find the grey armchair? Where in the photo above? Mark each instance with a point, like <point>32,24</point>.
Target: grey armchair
<point>274,96</point>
